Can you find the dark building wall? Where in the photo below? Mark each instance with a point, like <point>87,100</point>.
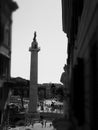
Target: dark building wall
<point>6,9</point>
<point>94,83</point>
<point>87,50</point>
<point>83,61</point>
<point>91,83</point>
<point>78,91</point>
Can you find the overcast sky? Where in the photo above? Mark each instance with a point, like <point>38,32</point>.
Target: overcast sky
<point>44,17</point>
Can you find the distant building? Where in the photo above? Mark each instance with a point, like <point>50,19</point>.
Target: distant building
<point>80,23</point>
<point>46,87</point>
<point>23,84</point>
<point>6,9</point>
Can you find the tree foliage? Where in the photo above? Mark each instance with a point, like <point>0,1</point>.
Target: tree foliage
<point>60,93</point>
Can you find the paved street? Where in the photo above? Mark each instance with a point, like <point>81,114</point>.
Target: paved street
<point>37,126</point>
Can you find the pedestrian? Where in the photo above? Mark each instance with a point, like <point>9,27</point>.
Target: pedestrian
<point>41,120</point>
<point>42,123</point>
<point>50,124</point>
<point>45,122</point>
<point>32,123</point>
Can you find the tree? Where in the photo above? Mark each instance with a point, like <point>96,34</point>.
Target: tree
<point>21,94</point>
<point>41,94</point>
<point>20,86</point>
<point>60,93</point>
<point>53,90</point>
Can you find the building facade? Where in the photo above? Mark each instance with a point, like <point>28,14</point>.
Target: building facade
<point>6,9</point>
<point>80,23</point>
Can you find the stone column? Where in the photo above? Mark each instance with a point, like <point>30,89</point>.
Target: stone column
<point>33,93</point>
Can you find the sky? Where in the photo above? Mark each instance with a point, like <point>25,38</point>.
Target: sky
<point>44,17</point>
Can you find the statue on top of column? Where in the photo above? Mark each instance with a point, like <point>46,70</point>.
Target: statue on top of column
<point>34,39</point>
<point>34,44</point>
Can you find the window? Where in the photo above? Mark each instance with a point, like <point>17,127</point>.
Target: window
<point>4,67</point>
<point>6,34</point>
<point>1,93</point>
<point>1,32</point>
